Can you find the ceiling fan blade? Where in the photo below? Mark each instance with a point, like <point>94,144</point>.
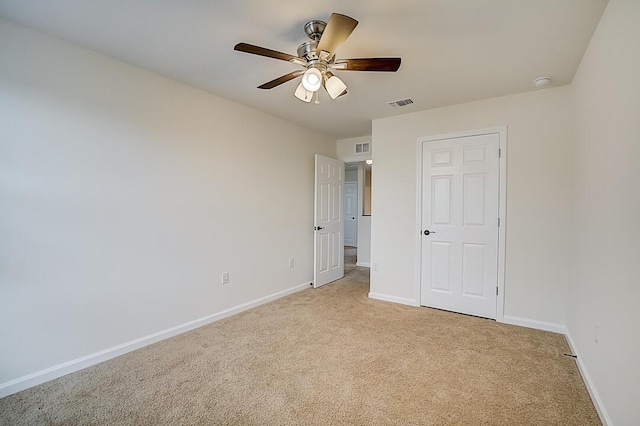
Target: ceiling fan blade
<point>278,81</point>
<point>338,29</point>
<point>368,64</point>
<point>262,51</point>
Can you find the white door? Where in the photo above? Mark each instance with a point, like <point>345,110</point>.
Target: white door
<point>328,219</point>
<point>350,214</point>
<point>460,195</point>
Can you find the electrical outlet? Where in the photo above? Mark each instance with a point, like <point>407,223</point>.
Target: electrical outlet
<point>292,261</point>
<point>225,278</point>
<point>596,333</point>
<point>376,266</point>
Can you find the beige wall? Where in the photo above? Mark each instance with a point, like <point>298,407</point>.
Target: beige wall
<point>605,279</point>
<point>346,149</point>
<point>126,195</point>
<point>538,175</point>
<point>573,204</point>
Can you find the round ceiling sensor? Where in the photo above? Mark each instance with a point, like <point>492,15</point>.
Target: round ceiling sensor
<point>542,81</point>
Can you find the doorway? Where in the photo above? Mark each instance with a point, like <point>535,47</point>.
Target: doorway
<point>357,251</point>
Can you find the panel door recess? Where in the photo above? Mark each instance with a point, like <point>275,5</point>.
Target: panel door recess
<point>329,223</point>
<point>460,195</point>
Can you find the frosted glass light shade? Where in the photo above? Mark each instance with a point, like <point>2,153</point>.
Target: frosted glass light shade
<point>335,87</point>
<point>303,94</point>
<point>312,80</point>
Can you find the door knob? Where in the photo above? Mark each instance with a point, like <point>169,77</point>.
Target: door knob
<point>427,232</point>
<point>317,228</point>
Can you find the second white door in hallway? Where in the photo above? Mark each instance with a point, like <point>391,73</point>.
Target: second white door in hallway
<point>351,214</point>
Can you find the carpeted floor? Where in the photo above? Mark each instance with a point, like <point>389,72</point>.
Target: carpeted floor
<point>327,356</point>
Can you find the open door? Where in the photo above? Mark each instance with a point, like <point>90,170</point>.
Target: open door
<point>328,221</point>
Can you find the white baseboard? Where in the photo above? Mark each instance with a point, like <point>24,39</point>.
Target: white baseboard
<point>39,377</point>
<point>394,299</point>
<point>539,325</point>
<point>365,264</point>
<point>595,396</point>
<point>51,373</point>
<point>561,329</point>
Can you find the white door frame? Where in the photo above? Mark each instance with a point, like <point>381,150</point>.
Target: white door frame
<point>502,209</point>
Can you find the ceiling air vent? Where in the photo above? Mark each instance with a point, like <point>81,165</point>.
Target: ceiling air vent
<point>401,103</point>
<point>362,148</point>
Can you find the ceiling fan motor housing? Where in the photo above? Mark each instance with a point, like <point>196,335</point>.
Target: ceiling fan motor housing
<point>314,29</point>
<point>307,50</point>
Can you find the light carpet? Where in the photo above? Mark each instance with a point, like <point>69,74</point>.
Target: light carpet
<point>327,356</point>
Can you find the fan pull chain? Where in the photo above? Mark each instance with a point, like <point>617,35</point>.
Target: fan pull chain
<point>317,101</point>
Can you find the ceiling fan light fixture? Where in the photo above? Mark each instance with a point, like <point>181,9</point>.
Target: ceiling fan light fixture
<point>318,58</point>
<point>303,94</point>
<point>312,80</point>
<point>335,87</point>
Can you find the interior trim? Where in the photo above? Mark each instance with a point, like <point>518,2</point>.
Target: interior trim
<point>56,371</point>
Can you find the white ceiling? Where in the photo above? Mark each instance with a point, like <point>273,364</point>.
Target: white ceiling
<point>452,51</point>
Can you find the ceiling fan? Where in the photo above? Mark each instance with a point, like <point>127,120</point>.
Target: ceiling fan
<point>318,59</point>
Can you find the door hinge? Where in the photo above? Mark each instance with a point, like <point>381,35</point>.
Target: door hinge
<point>499,152</point>
<point>496,291</point>
<point>498,222</point>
